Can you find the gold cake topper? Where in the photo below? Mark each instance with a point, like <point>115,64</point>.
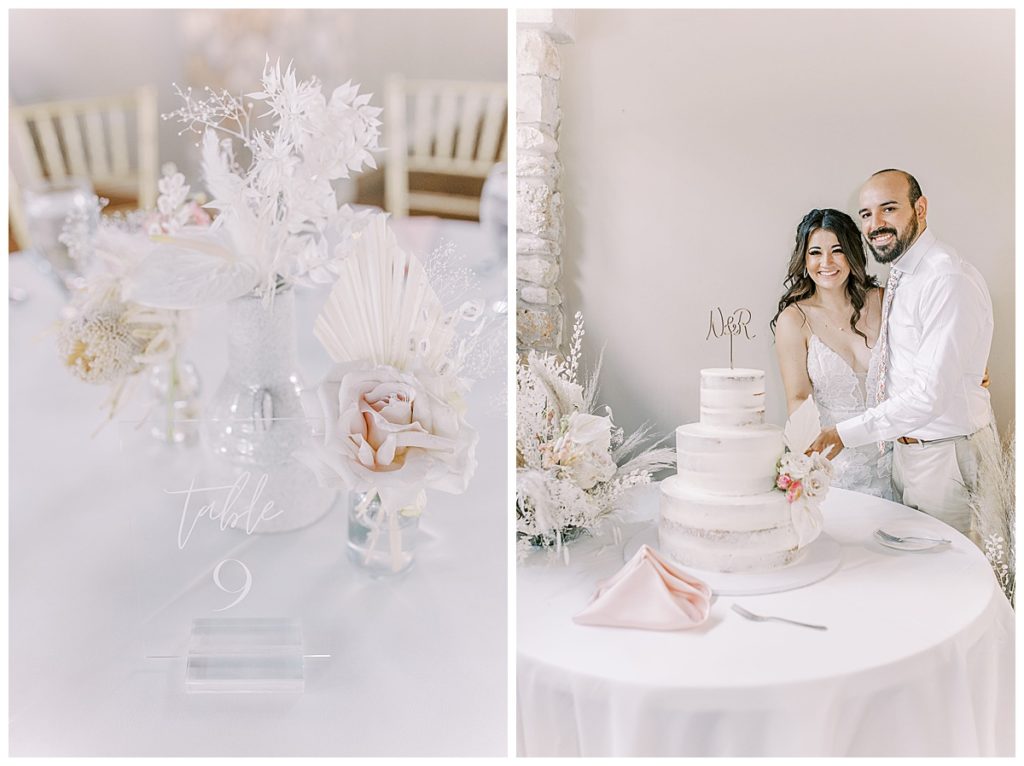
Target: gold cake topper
<point>732,325</point>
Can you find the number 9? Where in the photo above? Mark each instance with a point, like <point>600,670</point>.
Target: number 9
<point>242,591</point>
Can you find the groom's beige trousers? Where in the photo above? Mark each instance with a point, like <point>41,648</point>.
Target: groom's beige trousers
<point>937,477</point>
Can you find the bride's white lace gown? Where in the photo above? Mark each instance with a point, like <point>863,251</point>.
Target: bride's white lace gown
<point>841,393</point>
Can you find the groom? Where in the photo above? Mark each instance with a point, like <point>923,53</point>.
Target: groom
<point>934,345</point>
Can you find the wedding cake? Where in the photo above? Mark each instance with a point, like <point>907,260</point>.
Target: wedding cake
<point>721,511</point>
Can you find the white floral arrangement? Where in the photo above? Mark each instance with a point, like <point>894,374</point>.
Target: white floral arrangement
<point>104,336</point>
<point>270,176</point>
<point>572,464</point>
<point>394,401</point>
<point>993,508</point>
<point>804,478</point>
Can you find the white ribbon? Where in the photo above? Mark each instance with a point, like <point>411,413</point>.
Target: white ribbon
<point>807,522</point>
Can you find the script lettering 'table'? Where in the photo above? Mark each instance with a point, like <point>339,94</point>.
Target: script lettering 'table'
<point>223,513</point>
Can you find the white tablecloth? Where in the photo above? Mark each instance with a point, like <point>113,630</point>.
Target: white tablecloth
<point>917,660</point>
<point>419,665</point>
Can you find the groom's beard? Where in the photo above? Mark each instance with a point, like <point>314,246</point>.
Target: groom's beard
<point>899,245</point>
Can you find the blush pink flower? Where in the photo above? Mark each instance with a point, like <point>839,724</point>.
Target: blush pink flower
<point>794,492</point>
<point>393,431</point>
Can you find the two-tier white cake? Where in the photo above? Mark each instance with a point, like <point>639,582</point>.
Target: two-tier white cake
<point>721,512</point>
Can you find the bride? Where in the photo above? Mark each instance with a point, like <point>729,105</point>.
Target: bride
<point>826,333</point>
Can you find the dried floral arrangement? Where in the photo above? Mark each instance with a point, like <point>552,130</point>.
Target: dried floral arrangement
<point>403,362</point>
<point>993,500</point>
<point>104,336</point>
<point>270,178</point>
<point>572,464</point>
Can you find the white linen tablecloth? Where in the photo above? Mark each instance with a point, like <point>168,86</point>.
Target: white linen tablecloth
<point>917,660</point>
<point>419,664</point>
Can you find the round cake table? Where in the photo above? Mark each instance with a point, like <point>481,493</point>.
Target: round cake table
<point>918,658</point>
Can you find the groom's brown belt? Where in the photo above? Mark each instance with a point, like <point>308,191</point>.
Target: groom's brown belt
<point>912,440</point>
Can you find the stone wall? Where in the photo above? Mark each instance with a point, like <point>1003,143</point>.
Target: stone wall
<point>539,235</point>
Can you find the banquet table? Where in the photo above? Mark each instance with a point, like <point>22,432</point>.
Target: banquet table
<point>417,665</point>
<point>918,658</point>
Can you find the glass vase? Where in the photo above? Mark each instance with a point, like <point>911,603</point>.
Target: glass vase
<point>382,542</point>
<point>47,204</point>
<point>174,389</point>
<point>255,420</point>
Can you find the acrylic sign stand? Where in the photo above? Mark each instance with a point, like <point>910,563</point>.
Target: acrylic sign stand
<point>222,551</point>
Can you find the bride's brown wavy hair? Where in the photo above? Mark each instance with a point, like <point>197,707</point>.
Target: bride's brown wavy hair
<point>798,282</point>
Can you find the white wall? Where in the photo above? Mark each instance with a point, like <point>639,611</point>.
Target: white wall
<point>694,141</point>
<point>67,54</point>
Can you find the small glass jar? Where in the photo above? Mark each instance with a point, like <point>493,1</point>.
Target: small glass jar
<point>380,541</point>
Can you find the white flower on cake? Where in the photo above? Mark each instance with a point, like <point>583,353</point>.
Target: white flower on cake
<point>818,479</point>
<point>394,431</point>
<point>792,466</point>
<point>804,478</point>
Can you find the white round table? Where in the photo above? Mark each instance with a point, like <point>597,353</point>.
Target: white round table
<point>917,659</point>
<point>408,658</point>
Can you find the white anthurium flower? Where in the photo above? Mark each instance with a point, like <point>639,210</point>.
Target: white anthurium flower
<point>193,268</point>
<point>119,250</point>
<point>565,395</point>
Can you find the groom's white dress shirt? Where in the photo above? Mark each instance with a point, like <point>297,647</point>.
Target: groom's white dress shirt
<point>940,334</point>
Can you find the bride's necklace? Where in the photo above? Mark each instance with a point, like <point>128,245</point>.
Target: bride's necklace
<point>830,323</point>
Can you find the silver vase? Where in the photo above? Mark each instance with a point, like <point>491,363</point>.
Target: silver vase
<point>256,423</point>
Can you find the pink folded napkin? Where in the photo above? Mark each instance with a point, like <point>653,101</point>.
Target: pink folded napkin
<point>648,593</point>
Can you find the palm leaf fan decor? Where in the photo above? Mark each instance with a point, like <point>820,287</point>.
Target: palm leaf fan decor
<point>383,309</point>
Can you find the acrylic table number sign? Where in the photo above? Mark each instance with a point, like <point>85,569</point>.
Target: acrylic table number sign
<point>732,325</point>
<point>224,595</point>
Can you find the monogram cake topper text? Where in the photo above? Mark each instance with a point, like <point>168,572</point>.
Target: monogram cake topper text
<point>736,323</point>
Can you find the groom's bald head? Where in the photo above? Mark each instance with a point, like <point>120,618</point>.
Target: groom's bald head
<point>913,187</point>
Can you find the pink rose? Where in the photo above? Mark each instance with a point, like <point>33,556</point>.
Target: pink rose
<point>393,431</point>
<point>794,492</point>
<point>784,481</point>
